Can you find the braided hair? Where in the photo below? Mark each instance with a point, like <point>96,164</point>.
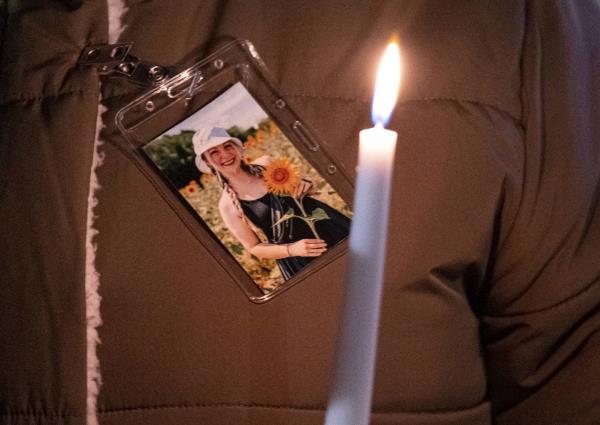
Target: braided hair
<point>281,229</point>
<point>252,169</point>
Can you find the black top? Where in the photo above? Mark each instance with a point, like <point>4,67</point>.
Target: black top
<point>267,210</point>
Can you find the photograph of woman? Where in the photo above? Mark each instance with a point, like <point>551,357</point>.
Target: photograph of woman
<point>270,209</point>
<point>269,195</point>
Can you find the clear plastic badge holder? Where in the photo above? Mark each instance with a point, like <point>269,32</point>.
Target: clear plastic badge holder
<point>177,135</point>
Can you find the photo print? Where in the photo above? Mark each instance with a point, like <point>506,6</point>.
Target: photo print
<point>269,208</point>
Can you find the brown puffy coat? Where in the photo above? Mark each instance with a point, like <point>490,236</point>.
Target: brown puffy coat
<point>490,309</point>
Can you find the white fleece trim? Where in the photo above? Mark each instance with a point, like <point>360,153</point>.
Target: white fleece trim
<point>116,10</point>
<point>92,282</point>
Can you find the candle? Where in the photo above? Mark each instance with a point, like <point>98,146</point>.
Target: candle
<point>351,392</point>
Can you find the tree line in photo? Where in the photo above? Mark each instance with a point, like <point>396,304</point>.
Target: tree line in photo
<point>174,154</point>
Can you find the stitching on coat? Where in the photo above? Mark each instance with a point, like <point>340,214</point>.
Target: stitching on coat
<point>476,102</point>
<point>408,100</point>
<point>207,405</point>
<point>26,97</point>
<point>367,102</point>
<point>276,407</point>
<point>547,308</point>
<point>421,99</point>
<point>4,17</point>
<point>4,179</point>
<point>346,99</point>
<point>217,405</point>
<point>41,415</point>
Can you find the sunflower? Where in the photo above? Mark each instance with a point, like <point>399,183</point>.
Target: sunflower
<point>191,187</point>
<point>281,176</point>
<point>206,178</point>
<point>259,137</point>
<point>250,141</point>
<point>273,128</point>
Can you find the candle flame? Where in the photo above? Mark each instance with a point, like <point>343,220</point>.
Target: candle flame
<point>386,85</point>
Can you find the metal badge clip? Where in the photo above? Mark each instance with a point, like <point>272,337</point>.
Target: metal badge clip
<point>115,59</point>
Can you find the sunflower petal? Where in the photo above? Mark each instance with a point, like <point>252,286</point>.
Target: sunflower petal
<point>281,176</point>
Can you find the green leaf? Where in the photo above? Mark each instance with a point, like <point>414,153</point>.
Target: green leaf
<point>319,214</point>
<point>289,214</point>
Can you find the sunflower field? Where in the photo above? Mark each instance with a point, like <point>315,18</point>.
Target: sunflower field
<point>174,156</point>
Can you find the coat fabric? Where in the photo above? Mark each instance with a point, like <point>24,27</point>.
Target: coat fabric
<point>490,307</point>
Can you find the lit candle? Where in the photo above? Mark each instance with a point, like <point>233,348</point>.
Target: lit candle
<point>351,392</point>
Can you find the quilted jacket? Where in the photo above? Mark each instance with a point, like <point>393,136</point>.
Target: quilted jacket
<point>490,306</point>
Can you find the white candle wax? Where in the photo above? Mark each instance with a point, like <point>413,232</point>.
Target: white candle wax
<point>350,396</point>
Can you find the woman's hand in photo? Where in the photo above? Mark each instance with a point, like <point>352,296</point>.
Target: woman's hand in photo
<point>305,187</point>
<point>307,248</point>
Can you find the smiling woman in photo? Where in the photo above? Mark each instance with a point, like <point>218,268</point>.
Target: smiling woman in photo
<point>298,227</point>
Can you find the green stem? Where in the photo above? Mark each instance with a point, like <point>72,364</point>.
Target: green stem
<point>310,224</point>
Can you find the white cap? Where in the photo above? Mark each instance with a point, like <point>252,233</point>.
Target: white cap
<point>209,137</point>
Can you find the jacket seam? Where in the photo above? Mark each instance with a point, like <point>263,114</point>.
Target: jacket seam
<point>559,304</point>
<point>275,407</point>
<point>477,102</point>
<point>523,84</point>
<point>41,415</point>
<point>419,99</point>
<point>207,405</point>
<point>38,97</point>
<point>343,98</point>
<point>4,16</point>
